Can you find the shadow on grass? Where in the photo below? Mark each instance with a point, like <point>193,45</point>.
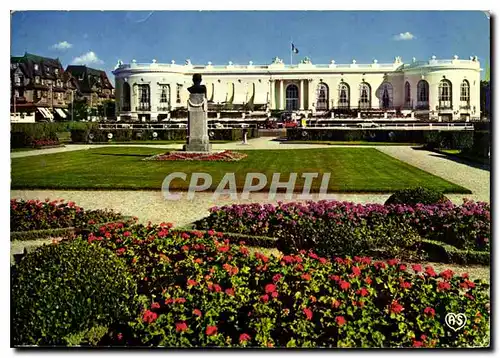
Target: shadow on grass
<point>456,158</point>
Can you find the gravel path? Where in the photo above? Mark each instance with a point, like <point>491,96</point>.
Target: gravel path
<point>474,178</point>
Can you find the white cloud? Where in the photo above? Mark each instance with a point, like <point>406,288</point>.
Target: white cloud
<point>63,45</point>
<point>404,36</point>
<point>87,59</point>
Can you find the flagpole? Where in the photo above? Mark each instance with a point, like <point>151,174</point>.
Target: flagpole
<point>291,52</point>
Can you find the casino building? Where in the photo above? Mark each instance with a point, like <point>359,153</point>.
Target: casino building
<point>436,89</point>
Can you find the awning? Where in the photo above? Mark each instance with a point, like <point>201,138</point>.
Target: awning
<point>240,93</point>
<point>260,96</point>
<point>61,112</point>
<point>220,92</point>
<point>45,112</point>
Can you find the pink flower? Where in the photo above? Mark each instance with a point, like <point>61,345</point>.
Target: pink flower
<point>417,268</point>
<point>155,305</point>
<point>229,291</point>
<point>429,311</point>
<point>270,288</point>
<point>277,277</point>
<point>149,316</point>
<point>197,312</point>
<point>211,330</point>
<point>244,337</point>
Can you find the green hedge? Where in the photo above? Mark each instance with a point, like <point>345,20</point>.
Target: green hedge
<point>123,135</point>
<point>40,234</point>
<point>69,294</point>
<point>435,139</point>
<point>23,134</point>
<point>442,252</point>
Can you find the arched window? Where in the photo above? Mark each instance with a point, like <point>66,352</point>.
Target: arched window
<point>164,93</point>
<point>445,94</point>
<point>126,97</point>
<point>292,98</point>
<point>465,92</point>
<point>322,96</point>
<point>364,95</point>
<point>423,95</point>
<point>408,103</point>
<point>385,95</point>
<point>343,95</point>
<point>144,98</point>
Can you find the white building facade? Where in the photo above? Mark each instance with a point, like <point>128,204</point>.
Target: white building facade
<point>434,89</point>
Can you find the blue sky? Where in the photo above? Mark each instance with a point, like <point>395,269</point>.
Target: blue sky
<point>100,38</point>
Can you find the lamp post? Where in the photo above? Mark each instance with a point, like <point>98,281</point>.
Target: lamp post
<point>72,104</point>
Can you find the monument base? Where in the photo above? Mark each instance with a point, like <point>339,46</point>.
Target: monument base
<point>197,147</point>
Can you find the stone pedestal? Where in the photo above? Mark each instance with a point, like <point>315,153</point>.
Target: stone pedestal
<point>197,140</point>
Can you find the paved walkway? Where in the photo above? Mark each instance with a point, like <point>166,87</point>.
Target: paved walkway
<point>150,205</point>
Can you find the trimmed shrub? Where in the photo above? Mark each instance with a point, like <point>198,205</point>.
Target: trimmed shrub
<point>204,291</point>
<point>414,196</point>
<point>62,293</point>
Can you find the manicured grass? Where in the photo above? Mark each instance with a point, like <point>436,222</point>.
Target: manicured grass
<point>13,150</point>
<point>352,170</point>
<point>329,142</point>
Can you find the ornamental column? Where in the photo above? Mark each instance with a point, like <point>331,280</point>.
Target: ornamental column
<point>282,106</point>
<point>272,94</point>
<point>301,95</point>
<point>311,94</point>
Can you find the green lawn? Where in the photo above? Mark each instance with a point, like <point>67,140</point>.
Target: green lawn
<point>352,170</point>
<point>158,142</point>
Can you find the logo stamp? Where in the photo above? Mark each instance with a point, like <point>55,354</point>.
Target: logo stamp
<point>455,321</point>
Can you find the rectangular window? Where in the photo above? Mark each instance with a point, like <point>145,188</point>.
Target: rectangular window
<point>37,79</point>
<point>164,94</point>
<point>179,89</point>
<point>35,66</point>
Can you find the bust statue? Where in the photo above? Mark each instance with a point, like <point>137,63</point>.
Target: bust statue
<point>197,87</point>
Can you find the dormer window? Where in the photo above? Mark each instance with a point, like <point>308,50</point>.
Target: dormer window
<point>37,79</point>
<point>56,71</point>
<point>35,66</point>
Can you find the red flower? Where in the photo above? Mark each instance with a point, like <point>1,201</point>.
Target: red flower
<point>244,337</point>
<point>446,274</point>
<point>336,303</point>
<point>211,232</point>
<point>423,337</point>
<point>344,285</point>
<point>229,291</point>
<point>127,233</point>
<point>362,292</point>
<point>430,271</point>
<point>211,330</point>
<point>334,278</point>
<point>299,267</point>
<point>465,275</point>
<point>168,301</point>
<point>192,282</point>
<point>149,316</point>
<point>277,277</point>
<point>224,248</point>
<point>180,300</point>
<point>264,298</point>
<point>429,311</point>
<point>368,280</point>
<point>274,294</point>
<point>405,285</point>
<point>270,288</point>
<point>197,312</point>
<point>402,267</point>
<point>181,326</point>
<point>198,261</point>
<point>121,251</point>
<point>244,251</point>
<point>322,260</point>
<point>185,248</point>
<point>306,277</point>
<point>417,344</point>
<point>155,305</point>
<point>392,262</point>
<point>379,265</point>
<point>287,259</point>
<point>308,313</point>
<point>356,271</point>
<point>340,320</point>
<point>443,286</point>
<point>119,336</point>
<point>396,307</point>
<point>417,268</point>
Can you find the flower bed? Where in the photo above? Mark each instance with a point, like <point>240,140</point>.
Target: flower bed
<point>223,156</point>
<point>45,143</point>
<point>198,290</point>
<point>466,226</point>
<point>31,215</point>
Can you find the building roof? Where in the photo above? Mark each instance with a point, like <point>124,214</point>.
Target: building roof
<point>89,79</point>
<point>45,69</point>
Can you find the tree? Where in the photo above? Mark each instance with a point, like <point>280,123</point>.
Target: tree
<point>80,110</point>
<point>485,98</point>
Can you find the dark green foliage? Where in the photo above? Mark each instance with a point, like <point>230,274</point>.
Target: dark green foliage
<point>442,252</point>
<point>415,196</point>
<point>65,290</point>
